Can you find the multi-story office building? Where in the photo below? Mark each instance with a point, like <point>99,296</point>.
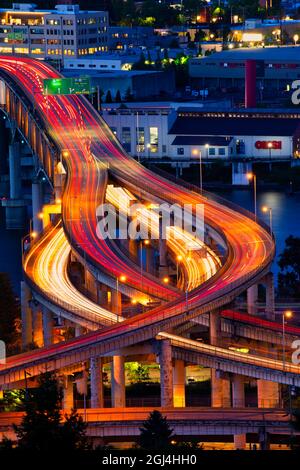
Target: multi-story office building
<point>63,32</point>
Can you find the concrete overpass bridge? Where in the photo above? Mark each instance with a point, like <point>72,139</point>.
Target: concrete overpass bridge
<point>84,146</point>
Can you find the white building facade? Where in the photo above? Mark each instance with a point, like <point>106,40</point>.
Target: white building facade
<point>182,134</point>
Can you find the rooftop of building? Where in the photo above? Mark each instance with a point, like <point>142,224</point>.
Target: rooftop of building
<point>283,53</point>
<point>59,9</point>
<point>224,126</point>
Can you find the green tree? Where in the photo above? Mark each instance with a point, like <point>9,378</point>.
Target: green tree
<point>9,314</point>
<point>118,98</point>
<point>155,433</point>
<point>108,98</point>
<point>42,427</point>
<point>137,373</point>
<point>289,264</point>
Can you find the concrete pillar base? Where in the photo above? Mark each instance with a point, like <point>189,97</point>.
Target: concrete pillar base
<point>268,395</point>
<point>220,391</point>
<point>166,374</point>
<point>118,398</point>
<point>252,297</point>
<point>97,398</point>
<point>240,441</point>
<point>179,384</point>
<point>37,326</point>
<point>68,396</point>
<point>48,325</point>
<point>15,213</point>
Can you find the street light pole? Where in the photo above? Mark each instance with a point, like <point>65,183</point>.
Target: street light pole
<point>286,314</point>
<point>252,176</point>
<point>269,209</point>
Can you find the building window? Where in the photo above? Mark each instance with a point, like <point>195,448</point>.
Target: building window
<point>126,138</point>
<point>211,151</point>
<point>240,147</point>
<point>221,151</point>
<point>140,139</point>
<point>153,132</point>
<point>180,151</point>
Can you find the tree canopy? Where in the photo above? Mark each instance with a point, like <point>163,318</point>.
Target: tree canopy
<point>155,433</point>
<point>289,264</point>
<point>43,428</point>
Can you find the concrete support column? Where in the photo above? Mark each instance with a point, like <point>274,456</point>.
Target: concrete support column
<point>48,325</point>
<point>91,284</point>
<point>37,326</point>
<point>79,330</point>
<point>239,173</point>
<point>102,296</point>
<point>116,302</point>
<point>179,383</point>
<point>238,401</point>
<point>37,205</point>
<point>220,391</point>
<point>118,397</point>
<point>220,388</point>
<point>150,260</point>
<point>97,398</point>
<point>68,395</point>
<point>268,394</point>
<point>166,374</point>
<point>270,296</point>
<point>26,315</point>
<point>252,297</point>
<point>15,170</point>
<point>163,265</point>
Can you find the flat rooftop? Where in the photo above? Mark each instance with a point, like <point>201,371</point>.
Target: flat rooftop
<point>271,53</point>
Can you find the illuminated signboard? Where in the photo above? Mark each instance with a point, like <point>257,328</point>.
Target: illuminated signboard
<point>268,144</point>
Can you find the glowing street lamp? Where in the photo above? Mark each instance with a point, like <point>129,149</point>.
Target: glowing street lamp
<point>296,38</point>
<point>252,177</point>
<point>123,278</point>
<point>286,315</point>
<point>166,280</point>
<point>196,152</point>
<point>269,210</point>
<point>270,146</point>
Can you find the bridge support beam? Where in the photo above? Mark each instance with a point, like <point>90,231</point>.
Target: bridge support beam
<point>239,173</point>
<point>267,394</point>
<point>238,401</point>
<point>252,297</point>
<point>220,387</point>
<point>118,397</point>
<point>163,264</point>
<point>37,205</point>
<point>68,395</point>
<point>97,398</point>
<point>37,326</point>
<point>15,207</point>
<point>116,302</point>
<point>270,296</point>
<point>48,325</point>
<point>79,330</point>
<point>166,374</point>
<point>26,315</point>
<point>91,285</point>
<point>179,383</point>
<point>102,295</point>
